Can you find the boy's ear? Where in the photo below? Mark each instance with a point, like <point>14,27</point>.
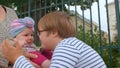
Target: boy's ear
<point>55,34</point>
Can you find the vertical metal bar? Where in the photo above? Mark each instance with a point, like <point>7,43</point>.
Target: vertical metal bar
<point>51,5</point>
<point>56,5</point>
<point>109,39</point>
<point>69,6</point>
<point>91,25</point>
<point>76,15</point>
<point>40,9</point>
<point>29,8</point>
<point>45,6</point>
<point>62,5</point>
<point>117,9</point>
<point>35,32</point>
<point>99,21</point>
<point>84,38</point>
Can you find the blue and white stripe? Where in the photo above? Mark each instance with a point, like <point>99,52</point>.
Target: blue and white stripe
<point>22,62</point>
<point>73,53</point>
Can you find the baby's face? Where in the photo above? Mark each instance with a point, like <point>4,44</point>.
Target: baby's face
<point>25,37</point>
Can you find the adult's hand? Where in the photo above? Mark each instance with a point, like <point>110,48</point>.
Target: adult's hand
<point>10,52</point>
<point>29,55</point>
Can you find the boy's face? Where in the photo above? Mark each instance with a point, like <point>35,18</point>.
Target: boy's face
<point>25,37</point>
<point>45,39</point>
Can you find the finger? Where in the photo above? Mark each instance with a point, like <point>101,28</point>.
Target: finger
<point>5,47</point>
<point>17,44</point>
<point>30,55</point>
<point>21,41</point>
<point>8,44</point>
<point>2,47</point>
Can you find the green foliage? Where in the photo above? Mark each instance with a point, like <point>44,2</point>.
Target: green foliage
<point>97,40</point>
<point>52,4</point>
<point>92,37</point>
<point>11,3</point>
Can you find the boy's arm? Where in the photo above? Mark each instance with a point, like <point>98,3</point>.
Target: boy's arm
<point>46,64</point>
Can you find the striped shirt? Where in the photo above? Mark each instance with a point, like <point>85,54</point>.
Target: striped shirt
<point>22,62</point>
<point>73,53</point>
<point>70,53</point>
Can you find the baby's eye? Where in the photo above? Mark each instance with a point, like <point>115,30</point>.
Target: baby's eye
<point>26,35</point>
<point>31,34</point>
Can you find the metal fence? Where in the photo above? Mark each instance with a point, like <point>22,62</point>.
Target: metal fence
<point>97,23</point>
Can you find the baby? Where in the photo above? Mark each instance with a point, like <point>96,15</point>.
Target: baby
<point>22,30</point>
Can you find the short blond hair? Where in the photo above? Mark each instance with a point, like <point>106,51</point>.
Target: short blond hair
<point>58,21</point>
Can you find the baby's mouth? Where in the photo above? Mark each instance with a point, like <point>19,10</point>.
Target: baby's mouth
<point>28,48</point>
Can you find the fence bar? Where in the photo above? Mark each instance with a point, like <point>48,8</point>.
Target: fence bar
<point>109,39</point>
<point>118,21</point>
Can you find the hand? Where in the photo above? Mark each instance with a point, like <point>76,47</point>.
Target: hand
<point>21,41</point>
<point>36,66</point>
<point>30,55</point>
<point>10,52</point>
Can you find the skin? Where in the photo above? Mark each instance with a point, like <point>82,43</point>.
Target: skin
<point>50,41</point>
<point>25,37</point>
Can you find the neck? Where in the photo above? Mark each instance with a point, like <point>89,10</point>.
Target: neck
<point>56,42</point>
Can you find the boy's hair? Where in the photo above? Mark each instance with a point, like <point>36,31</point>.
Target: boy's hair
<point>58,21</point>
<point>18,25</point>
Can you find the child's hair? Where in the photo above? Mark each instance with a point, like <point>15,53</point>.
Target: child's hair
<point>18,25</point>
<point>58,21</point>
